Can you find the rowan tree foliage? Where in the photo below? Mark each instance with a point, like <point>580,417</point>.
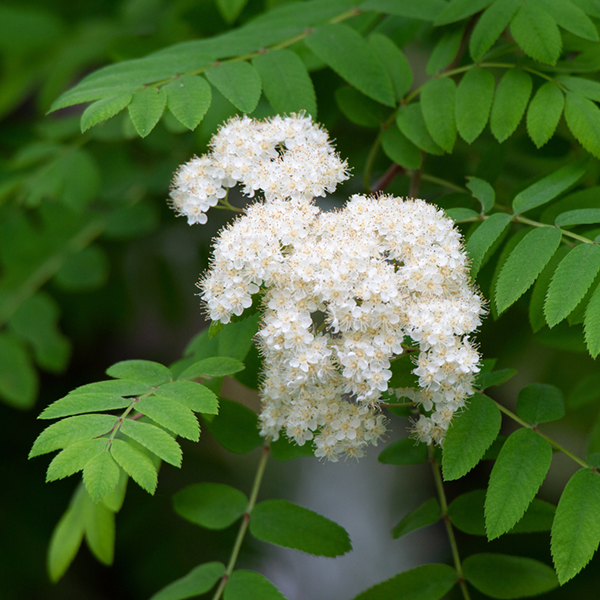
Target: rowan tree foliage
<point>445,283</point>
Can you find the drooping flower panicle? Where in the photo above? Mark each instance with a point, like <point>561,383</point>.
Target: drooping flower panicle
<point>343,293</point>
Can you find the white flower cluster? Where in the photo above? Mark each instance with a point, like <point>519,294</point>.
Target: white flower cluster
<point>343,293</point>
<point>285,157</point>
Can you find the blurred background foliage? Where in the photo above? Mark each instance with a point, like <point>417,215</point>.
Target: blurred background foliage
<point>96,269</point>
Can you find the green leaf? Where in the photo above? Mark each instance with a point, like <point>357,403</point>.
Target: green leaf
<point>357,108</point>
<point>582,216</point>
<point>217,366</point>
<point>400,149</point>
<point>428,582</point>
<point>540,403</point>
<point>210,505</point>
<point>238,82</point>
<point>549,187</point>
<point>572,18</point>
<point>198,581</point>
<point>538,517</point>
<point>104,109</point>
<point>402,373</point>
<point>351,57</point>
<point>235,427</point>
<point>524,264</point>
<point>249,585</point>
<point>286,524</point>
<point>459,215</point>
<point>70,431</point>
<point>146,109</point>
<point>483,191</point>
<point>120,387</point>
<point>404,452</point>
<point>231,9</point>
<point>544,113</point>
<point>83,403</point>
<point>457,10</point>
<point>411,123</point>
<point>146,371</point>
<point>581,86</point>
<point>516,477</point>
<point>114,500</point>
<point>74,458</point>
<point>188,98</point>
<point>67,536</point>
<point>503,576</point>
<point>445,50</point>
<point>193,395</point>
<point>427,514</point>
<point>438,103</point>
<point>583,118</point>
<point>537,33</point>
<point>136,464</point>
<point>84,271</point>
<point>286,82</point>
<point>572,279</point>
<point>427,10</point>
<point>18,379</point>
<point>512,95</point>
<point>591,324</point>
<point>155,439</point>
<point>394,62</point>
<point>591,7</point>
<point>474,97</point>
<point>472,433</point>
<point>483,239</point>
<point>576,528</point>
<point>171,415</point>
<point>490,26</point>
<point>284,449</point>
<point>100,475</point>
<point>100,530</point>
<point>486,380</point>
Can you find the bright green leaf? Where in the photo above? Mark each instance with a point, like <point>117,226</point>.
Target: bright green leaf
<point>587,88</point>
<point>583,118</point>
<point>400,149</point>
<point>537,33</point>
<point>171,415</point>
<point>403,452</point>
<point>544,113</point>
<point>210,505</point>
<point>459,215</point>
<point>286,82</point>
<point>490,26</point>
<point>119,387</point>
<point>198,581</point>
<point>100,475</point>
<point>217,366</point>
<point>195,396</point>
<point>438,103</point>
<point>445,49</point>
<point>284,449</point>
<point>483,191</point>
<point>100,530</point>
<point>516,477</point>
<point>484,237</point>
<point>524,264</point>
<point>155,439</point>
<point>472,433</point>
<point>512,95</point>
<point>249,585</point>
<point>583,216</point>
<point>395,63</point>
<point>136,464</point>
<point>411,123</point>
<point>505,577</point>
<point>286,524</point>
<point>351,57</point>
<point>540,403</point>
<point>188,98</point>
<point>238,82</point>
<point>486,380</point>
<point>231,9</point>
<point>74,458</point>
<point>474,97</point>
<point>457,10</point>
<point>146,371</point>
<point>571,280</point>
<point>103,109</point>
<point>146,109</point>
<point>591,324</point>
<point>114,500</point>
<point>576,528</point>
<point>427,514</point>
<point>572,18</point>
<point>427,582</point>
<point>83,403</point>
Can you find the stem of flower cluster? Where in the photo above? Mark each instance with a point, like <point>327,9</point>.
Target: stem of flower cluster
<point>437,476</point>
<point>260,471</point>
<point>558,446</point>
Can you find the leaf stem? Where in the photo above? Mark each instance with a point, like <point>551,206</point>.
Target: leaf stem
<point>260,471</point>
<point>524,423</point>
<point>437,476</point>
